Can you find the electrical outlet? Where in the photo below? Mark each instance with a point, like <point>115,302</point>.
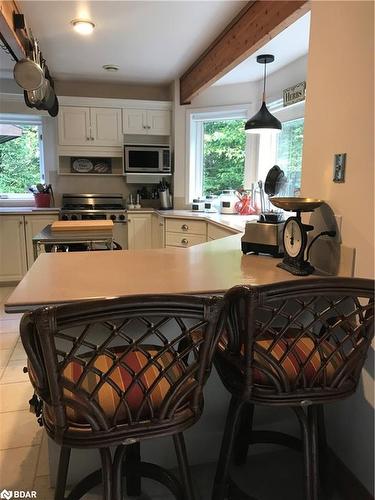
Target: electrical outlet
<point>339,167</point>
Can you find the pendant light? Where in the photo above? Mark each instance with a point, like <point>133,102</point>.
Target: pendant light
<point>263,121</point>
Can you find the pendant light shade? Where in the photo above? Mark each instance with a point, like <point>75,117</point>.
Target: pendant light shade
<point>263,121</point>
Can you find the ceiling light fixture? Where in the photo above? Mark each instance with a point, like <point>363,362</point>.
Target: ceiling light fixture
<point>263,121</point>
<point>112,68</point>
<point>83,26</point>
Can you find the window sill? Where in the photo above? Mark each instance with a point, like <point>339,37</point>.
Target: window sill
<point>14,200</point>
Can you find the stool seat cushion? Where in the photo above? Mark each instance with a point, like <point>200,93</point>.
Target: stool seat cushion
<point>296,360</point>
<point>126,387</point>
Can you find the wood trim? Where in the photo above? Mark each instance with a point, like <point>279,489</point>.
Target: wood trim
<point>13,39</point>
<point>258,22</point>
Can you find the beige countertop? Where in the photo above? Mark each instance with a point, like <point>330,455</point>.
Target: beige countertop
<point>211,267</point>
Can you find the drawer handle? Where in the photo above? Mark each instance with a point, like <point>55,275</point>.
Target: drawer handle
<point>184,241</point>
<point>184,227</point>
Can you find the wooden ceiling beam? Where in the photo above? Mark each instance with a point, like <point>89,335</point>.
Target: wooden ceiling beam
<point>256,24</point>
<point>13,40</point>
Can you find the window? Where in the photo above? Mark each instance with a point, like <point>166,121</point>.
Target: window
<point>284,149</point>
<point>21,162</point>
<point>289,154</point>
<point>222,156</point>
<point>218,148</point>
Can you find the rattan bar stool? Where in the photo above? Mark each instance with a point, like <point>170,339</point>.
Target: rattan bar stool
<point>112,373</point>
<point>299,344</point>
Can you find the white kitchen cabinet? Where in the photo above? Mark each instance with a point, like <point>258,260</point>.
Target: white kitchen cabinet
<point>16,248</point>
<point>12,248</point>
<point>185,232</point>
<point>139,231</point>
<point>106,127</point>
<point>134,121</point>
<point>215,232</point>
<point>157,231</point>
<point>74,126</point>
<point>146,122</point>
<point>33,225</point>
<point>85,126</point>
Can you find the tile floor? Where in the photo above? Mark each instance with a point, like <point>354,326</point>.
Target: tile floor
<point>23,444</point>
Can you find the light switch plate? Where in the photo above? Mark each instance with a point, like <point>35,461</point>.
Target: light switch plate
<point>339,167</point>
<point>338,222</point>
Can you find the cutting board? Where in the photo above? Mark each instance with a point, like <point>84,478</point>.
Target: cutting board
<point>82,225</point>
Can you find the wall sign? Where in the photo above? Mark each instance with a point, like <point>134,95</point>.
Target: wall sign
<point>294,94</point>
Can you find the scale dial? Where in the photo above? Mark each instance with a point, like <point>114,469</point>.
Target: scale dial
<point>294,238</point>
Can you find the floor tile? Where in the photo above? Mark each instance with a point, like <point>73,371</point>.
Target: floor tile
<point>5,355</point>
<point>43,489</point>
<point>15,397</point>
<point>17,468</point>
<point>43,463</point>
<point>18,429</point>
<point>9,326</point>
<point>14,373</point>
<point>8,340</point>
<point>19,353</point>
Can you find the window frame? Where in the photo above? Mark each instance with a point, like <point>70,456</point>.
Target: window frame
<point>194,144</point>
<point>16,119</point>
<point>267,145</point>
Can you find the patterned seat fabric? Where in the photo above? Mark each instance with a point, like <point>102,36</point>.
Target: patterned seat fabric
<point>143,375</point>
<point>299,359</point>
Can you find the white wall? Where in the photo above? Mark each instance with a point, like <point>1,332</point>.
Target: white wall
<point>225,95</point>
<point>339,118</point>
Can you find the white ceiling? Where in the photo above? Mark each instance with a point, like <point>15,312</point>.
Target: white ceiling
<point>287,46</point>
<point>152,42</point>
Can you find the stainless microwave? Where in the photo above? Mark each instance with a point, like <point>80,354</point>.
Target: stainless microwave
<point>147,159</point>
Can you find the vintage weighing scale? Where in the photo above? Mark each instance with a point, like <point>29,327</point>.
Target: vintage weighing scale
<point>295,234</point>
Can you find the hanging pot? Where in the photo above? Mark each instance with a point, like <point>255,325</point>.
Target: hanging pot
<point>28,74</point>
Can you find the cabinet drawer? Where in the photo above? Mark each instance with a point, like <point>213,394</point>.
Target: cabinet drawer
<point>187,226</point>
<point>215,232</point>
<point>184,240</point>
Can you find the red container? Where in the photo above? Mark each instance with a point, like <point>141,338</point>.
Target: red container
<point>42,200</point>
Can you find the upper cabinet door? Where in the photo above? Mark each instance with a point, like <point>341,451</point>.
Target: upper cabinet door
<point>74,126</point>
<point>134,121</point>
<point>106,127</point>
<point>159,122</point>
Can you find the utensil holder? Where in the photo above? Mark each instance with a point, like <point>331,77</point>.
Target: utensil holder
<point>42,200</point>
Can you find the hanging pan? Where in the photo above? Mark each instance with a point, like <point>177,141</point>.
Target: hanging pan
<point>275,181</point>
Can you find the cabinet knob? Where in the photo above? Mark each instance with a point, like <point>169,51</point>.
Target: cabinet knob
<point>184,241</point>
<point>20,223</point>
<point>184,227</point>
<point>87,138</point>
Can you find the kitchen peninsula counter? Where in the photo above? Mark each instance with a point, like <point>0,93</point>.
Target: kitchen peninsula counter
<point>209,268</point>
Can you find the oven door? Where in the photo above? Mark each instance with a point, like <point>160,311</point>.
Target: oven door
<point>142,159</point>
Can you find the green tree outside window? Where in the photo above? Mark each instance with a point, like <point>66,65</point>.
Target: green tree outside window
<point>20,161</point>
<point>223,155</point>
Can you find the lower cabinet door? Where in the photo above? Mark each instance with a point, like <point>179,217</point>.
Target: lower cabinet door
<point>139,231</point>
<point>33,225</point>
<point>157,231</point>
<point>12,248</point>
